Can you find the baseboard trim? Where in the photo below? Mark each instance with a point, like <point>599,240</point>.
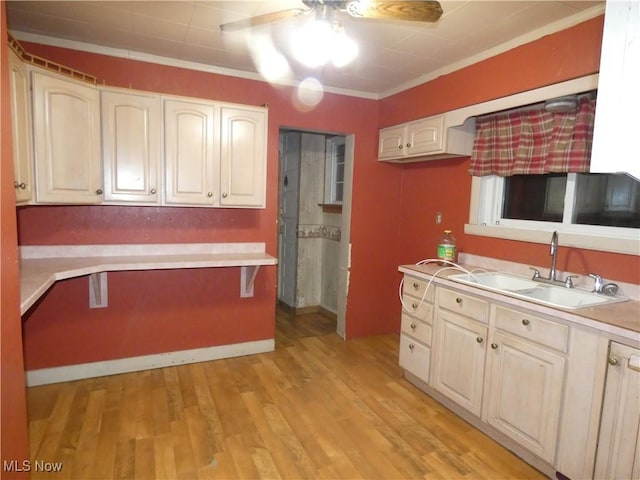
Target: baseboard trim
<point>69,373</point>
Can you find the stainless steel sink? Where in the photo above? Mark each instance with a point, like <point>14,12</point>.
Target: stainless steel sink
<point>527,289</point>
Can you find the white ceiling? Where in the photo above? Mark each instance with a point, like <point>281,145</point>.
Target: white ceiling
<point>394,55</point>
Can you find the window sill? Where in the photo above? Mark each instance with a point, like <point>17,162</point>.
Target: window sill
<point>331,207</point>
<point>584,241</point>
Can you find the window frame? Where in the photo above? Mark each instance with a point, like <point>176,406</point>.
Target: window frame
<point>331,164</point>
<point>485,219</point>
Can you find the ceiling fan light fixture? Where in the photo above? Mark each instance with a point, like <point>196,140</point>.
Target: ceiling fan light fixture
<point>321,41</point>
<point>344,49</point>
<point>310,43</point>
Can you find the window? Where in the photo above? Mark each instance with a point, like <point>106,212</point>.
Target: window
<point>599,211</point>
<point>334,171</point>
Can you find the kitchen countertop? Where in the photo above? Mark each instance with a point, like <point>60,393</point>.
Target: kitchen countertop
<point>42,266</point>
<point>621,319</point>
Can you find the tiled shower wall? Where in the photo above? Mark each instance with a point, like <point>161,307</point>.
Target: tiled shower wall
<point>318,233</point>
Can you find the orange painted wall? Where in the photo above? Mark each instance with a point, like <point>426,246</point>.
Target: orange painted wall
<point>445,186</point>
<point>392,223</point>
<point>152,312</point>
<point>13,414</point>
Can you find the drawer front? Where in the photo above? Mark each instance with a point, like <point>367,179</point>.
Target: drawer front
<point>463,304</point>
<point>417,329</point>
<point>414,307</point>
<point>416,286</point>
<point>540,330</point>
<point>414,357</point>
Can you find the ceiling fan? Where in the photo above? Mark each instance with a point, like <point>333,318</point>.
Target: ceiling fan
<point>416,10</point>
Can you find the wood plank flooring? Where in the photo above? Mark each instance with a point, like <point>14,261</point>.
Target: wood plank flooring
<point>316,407</point>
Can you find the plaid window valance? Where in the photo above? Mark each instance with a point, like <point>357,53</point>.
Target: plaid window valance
<point>534,142</point>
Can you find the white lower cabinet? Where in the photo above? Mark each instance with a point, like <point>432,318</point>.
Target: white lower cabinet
<point>618,455</point>
<point>531,381</point>
<point>459,352</point>
<point>526,389</point>
<point>417,318</point>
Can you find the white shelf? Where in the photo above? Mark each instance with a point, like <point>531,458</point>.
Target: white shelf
<point>42,266</point>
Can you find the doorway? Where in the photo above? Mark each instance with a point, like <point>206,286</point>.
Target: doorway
<point>315,177</point>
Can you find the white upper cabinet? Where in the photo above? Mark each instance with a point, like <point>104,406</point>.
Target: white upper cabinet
<point>429,138</point>
<point>76,143</point>
<point>131,146</point>
<point>190,160</point>
<point>66,130</point>
<point>243,154</point>
<point>21,123</point>
<point>615,135</point>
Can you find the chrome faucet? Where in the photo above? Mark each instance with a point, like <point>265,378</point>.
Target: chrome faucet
<point>554,255</point>
<point>568,282</point>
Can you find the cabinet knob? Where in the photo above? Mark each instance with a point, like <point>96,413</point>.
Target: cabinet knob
<point>494,346</point>
<point>153,191</point>
<point>224,194</point>
<point>415,285</point>
<point>400,146</point>
<point>613,361</point>
<point>414,306</point>
<point>479,339</point>
<point>99,191</point>
<point>525,321</point>
<point>209,194</point>
<point>20,185</point>
<point>458,300</point>
<point>408,145</point>
<point>413,326</point>
<point>411,346</point>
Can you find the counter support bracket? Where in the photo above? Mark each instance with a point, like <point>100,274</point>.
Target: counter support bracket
<point>98,292</point>
<point>247,277</point>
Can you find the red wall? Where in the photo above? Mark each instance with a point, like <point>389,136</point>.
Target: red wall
<point>13,431</point>
<point>445,186</point>
<point>152,312</point>
<point>393,214</point>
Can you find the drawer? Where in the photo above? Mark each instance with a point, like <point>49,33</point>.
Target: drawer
<point>540,330</point>
<point>417,329</point>
<point>415,287</point>
<point>414,307</point>
<point>463,304</point>
<point>414,357</point>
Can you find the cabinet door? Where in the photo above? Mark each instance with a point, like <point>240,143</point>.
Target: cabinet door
<point>189,153</point>
<point>243,157</point>
<point>391,142</point>
<point>21,124</point>
<point>414,357</point>
<point>66,118</point>
<point>131,146</point>
<point>526,390</point>
<point>618,455</point>
<point>425,136</point>
<point>458,359</point>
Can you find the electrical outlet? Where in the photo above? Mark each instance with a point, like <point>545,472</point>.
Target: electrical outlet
<point>438,218</point>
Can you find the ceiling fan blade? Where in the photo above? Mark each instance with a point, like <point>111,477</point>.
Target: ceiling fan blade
<point>417,11</point>
<point>262,19</point>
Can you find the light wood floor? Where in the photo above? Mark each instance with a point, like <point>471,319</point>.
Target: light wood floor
<point>317,407</point>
